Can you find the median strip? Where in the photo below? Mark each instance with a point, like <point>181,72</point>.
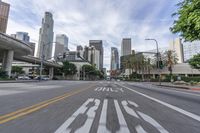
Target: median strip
<point>24,111</point>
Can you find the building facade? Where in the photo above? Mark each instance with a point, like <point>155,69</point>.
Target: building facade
<point>4,13</point>
<point>80,51</point>
<point>98,45</point>
<point>177,46</point>
<point>126,46</point>
<point>63,40</point>
<point>23,36</point>
<point>45,43</point>
<point>190,49</point>
<point>114,65</point>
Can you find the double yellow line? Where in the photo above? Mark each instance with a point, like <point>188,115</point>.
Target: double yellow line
<point>22,112</point>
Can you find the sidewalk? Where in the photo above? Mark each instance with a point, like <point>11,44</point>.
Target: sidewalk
<point>188,87</point>
<point>18,81</point>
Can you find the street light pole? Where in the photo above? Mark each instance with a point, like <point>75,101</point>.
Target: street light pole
<point>158,59</point>
<point>42,57</point>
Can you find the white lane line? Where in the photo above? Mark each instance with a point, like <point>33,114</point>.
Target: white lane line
<point>153,122</point>
<point>189,114</point>
<point>129,110</point>
<point>172,90</point>
<point>139,129</point>
<point>90,118</point>
<point>64,127</point>
<point>102,122</point>
<point>122,122</point>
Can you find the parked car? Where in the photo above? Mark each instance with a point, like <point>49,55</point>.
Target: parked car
<point>42,78</point>
<point>23,77</point>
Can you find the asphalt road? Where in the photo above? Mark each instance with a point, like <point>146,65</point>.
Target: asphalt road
<point>97,107</point>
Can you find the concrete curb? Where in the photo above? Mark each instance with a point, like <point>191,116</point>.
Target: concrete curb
<point>181,87</point>
<point>19,81</point>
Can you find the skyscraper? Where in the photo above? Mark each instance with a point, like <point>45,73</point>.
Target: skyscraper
<point>45,43</point>
<point>126,46</point>
<point>98,44</point>
<point>23,36</point>
<point>4,12</point>
<point>177,46</point>
<point>62,39</point>
<point>190,49</point>
<point>114,65</point>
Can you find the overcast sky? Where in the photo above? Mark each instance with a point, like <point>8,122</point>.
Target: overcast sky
<point>107,20</point>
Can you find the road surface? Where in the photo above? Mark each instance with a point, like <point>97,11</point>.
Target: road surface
<point>97,107</point>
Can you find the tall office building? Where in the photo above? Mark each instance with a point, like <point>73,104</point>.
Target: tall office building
<point>4,12</point>
<point>62,39</point>
<point>45,43</point>
<point>98,44</point>
<point>126,46</point>
<point>23,36</point>
<point>59,49</point>
<point>80,51</point>
<point>177,46</point>
<point>92,55</point>
<point>114,65</point>
<point>190,49</point>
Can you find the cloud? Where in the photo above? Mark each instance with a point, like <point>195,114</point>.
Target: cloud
<point>107,20</point>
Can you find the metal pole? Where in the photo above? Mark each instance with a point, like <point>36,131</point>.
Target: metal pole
<point>42,60</point>
<point>158,60</point>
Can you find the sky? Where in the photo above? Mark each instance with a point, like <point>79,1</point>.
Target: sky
<point>107,20</point>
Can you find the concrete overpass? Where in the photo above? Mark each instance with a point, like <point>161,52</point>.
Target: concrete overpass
<point>11,48</point>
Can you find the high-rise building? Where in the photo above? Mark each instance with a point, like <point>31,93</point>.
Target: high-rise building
<point>45,43</point>
<point>59,50</point>
<point>80,51</point>
<point>126,46</point>
<point>92,55</point>
<point>114,65</point>
<point>23,36</point>
<point>98,44</point>
<point>190,49</point>
<point>62,39</point>
<point>4,12</point>
<point>177,46</point>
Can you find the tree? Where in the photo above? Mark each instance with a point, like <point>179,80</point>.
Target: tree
<point>188,22</point>
<point>195,61</point>
<point>91,72</point>
<point>169,59</point>
<point>17,70</point>
<point>68,68</point>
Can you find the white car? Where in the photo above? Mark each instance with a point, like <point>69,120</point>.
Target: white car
<point>23,77</point>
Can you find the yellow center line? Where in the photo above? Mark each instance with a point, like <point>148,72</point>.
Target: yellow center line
<point>21,112</point>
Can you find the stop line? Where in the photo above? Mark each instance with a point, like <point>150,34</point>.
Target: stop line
<point>88,111</point>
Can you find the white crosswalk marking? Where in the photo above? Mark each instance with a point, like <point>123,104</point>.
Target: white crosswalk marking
<point>129,110</point>
<point>102,122</point>
<point>90,118</point>
<point>64,128</point>
<point>122,122</point>
<point>89,109</point>
<point>153,122</point>
<point>139,129</point>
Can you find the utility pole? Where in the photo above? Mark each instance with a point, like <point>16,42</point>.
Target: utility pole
<point>158,59</point>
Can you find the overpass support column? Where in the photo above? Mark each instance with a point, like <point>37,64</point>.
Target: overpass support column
<point>7,61</point>
<point>51,72</point>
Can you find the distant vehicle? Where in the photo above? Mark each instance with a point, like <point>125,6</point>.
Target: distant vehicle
<point>23,77</point>
<point>118,79</point>
<point>42,78</point>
